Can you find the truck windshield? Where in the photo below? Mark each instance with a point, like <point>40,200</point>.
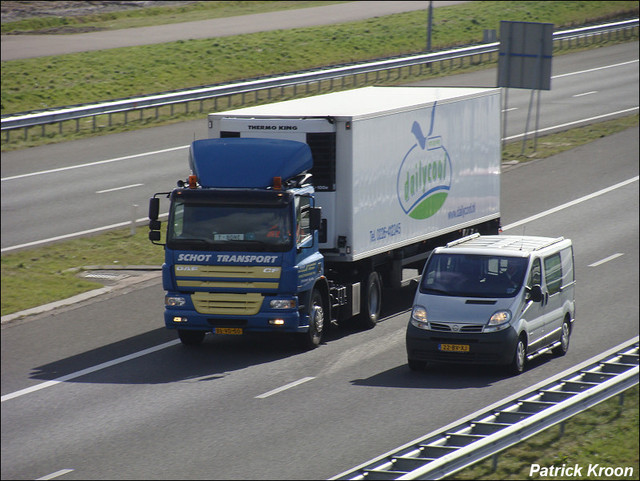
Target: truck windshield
<point>206,226</point>
<point>473,275</point>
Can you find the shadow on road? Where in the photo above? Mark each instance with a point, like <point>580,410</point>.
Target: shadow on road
<point>214,358</point>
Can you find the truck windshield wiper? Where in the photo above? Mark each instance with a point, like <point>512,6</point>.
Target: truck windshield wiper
<point>192,240</point>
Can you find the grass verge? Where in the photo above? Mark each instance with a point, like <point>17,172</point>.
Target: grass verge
<point>37,276</point>
<point>85,77</point>
<point>605,435</point>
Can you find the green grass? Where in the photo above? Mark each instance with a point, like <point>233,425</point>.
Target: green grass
<point>41,275</point>
<point>85,77</point>
<point>37,276</point>
<point>150,16</point>
<point>606,434</point>
<point>50,82</point>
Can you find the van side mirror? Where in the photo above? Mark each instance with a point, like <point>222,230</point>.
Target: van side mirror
<point>535,293</point>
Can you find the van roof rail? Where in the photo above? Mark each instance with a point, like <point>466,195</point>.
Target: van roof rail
<point>551,242</point>
<point>463,239</point>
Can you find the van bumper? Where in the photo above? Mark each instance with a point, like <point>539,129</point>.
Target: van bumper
<point>483,348</point>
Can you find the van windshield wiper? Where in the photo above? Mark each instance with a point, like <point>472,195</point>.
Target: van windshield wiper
<point>435,291</point>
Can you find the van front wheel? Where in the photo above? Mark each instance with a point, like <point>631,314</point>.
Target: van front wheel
<point>519,356</point>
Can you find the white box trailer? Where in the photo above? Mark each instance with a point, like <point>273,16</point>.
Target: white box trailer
<point>393,166</point>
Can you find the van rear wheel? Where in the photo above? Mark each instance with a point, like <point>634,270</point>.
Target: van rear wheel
<point>562,349</point>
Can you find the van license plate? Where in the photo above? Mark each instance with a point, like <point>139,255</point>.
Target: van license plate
<point>235,331</point>
<point>454,347</point>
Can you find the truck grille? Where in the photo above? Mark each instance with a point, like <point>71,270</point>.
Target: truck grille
<point>235,277</point>
<point>227,303</point>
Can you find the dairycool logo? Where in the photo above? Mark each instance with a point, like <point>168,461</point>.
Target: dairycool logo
<point>424,178</point>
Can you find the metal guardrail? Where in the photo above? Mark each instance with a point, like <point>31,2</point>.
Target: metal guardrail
<point>125,106</point>
<point>508,422</point>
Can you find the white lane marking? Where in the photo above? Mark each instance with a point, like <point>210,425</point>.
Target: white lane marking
<point>78,234</point>
<point>88,370</point>
<point>186,146</point>
<point>569,204</point>
<point>579,72</point>
<point>143,219</point>
<point>510,109</point>
<point>606,259</point>
<point>118,188</point>
<point>285,387</point>
<point>92,164</point>
<point>575,122</point>
<point>46,384</point>
<point>55,475</point>
<point>586,93</point>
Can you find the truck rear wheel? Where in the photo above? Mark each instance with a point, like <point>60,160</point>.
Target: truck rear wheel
<point>191,338</point>
<point>317,322</point>
<point>371,301</point>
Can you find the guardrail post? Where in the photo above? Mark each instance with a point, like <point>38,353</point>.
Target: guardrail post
<point>494,462</point>
<point>134,214</point>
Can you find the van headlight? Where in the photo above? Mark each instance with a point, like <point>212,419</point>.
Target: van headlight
<point>498,321</point>
<point>419,317</point>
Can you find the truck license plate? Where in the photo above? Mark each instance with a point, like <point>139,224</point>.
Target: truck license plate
<point>234,331</point>
<point>454,347</point>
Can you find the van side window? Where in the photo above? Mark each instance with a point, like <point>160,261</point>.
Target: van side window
<point>553,273</point>
<point>568,276</point>
<point>535,277</point>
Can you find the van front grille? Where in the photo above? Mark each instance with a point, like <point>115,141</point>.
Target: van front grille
<point>468,328</point>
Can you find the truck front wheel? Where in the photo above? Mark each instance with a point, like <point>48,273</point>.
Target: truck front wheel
<point>317,322</point>
<point>191,338</point>
<point>371,301</point>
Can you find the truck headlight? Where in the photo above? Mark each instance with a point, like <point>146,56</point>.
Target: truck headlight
<point>419,317</point>
<point>175,301</point>
<point>283,304</point>
<point>498,321</point>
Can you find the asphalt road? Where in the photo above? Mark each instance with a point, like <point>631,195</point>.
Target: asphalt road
<point>62,189</point>
<point>28,46</point>
<point>212,413</point>
<point>128,402</point>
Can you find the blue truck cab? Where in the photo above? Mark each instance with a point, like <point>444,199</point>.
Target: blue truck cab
<point>241,247</point>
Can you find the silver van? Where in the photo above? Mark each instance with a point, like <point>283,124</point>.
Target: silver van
<point>495,299</point>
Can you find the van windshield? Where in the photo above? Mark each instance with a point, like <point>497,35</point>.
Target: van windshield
<point>468,275</point>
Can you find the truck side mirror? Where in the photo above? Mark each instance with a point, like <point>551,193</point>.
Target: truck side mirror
<point>154,208</point>
<point>315,216</point>
<point>535,293</point>
<point>154,235</point>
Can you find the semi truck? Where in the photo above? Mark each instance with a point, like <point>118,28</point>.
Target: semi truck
<point>297,214</point>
